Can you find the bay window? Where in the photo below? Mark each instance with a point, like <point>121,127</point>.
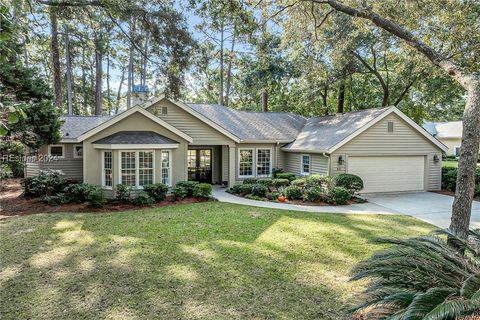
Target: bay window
<point>136,168</point>
<point>107,166</point>
<point>166,168</point>
<point>264,162</point>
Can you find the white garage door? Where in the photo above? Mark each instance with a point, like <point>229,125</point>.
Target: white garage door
<point>388,174</point>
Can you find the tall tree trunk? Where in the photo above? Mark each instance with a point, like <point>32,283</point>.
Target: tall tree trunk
<point>467,164</point>
<point>144,62</point>
<point>130,80</point>
<point>220,87</point>
<point>229,69</point>
<point>69,73</point>
<point>56,68</point>
<point>324,96</point>
<point>109,98</point>
<point>119,92</point>
<point>98,77</point>
<point>264,100</point>
<point>84,80</point>
<point>341,97</point>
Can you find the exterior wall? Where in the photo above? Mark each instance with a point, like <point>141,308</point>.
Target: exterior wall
<point>93,157</point>
<point>318,163</point>
<point>70,166</point>
<point>272,146</point>
<point>404,140</point>
<point>451,143</point>
<point>202,133</point>
<point>224,168</point>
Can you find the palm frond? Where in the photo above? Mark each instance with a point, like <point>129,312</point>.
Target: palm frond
<point>423,303</point>
<point>470,286</point>
<point>454,309</point>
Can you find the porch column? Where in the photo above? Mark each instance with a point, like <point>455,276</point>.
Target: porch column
<point>231,166</point>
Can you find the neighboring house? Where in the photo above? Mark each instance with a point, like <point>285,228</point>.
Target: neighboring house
<point>449,133</point>
<point>168,141</point>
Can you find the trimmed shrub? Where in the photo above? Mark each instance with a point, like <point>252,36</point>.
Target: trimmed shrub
<point>122,193</point>
<point>299,182</point>
<point>250,181</point>
<point>55,200</point>
<point>313,194</point>
<point>293,193</point>
<point>78,192</point>
<point>259,190</point>
<point>338,195</point>
<point>286,175</point>
<point>156,191</point>
<point>318,180</point>
<point>96,198</point>
<point>274,195</point>
<point>143,199</point>
<point>449,180</point>
<point>265,182</point>
<point>48,182</point>
<point>202,190</point>
<point>277,183</point>
<point>180,192</point>
<point>276,171</point>
<point>188,185</point>
<point>243,189</point>
<point>351,182</point>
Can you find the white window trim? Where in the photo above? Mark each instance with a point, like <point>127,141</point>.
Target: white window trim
<point>271,162</point>
<point>103,170</point>
<point>253,163</point>
<point>455,151</point>
<point>56,145</point>
<point>137,167</point>
<point>75,152</point>
<point>169,183</point>
<point>303,173</point>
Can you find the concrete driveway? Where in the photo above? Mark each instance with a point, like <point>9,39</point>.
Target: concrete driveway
<point>431,207</point>
<point>427,206</point>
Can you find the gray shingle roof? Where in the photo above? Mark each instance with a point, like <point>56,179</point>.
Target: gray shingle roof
<point>451,129</point>
<point>322,133</point>
<point>135,137</point>
<point>253,126</point>
<point>74,126</point>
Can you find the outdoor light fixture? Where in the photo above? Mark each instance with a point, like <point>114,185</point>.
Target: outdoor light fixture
<point>340,160</point>
<point>435,158</point>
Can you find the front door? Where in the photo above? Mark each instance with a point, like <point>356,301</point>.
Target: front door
<point>200,165</point>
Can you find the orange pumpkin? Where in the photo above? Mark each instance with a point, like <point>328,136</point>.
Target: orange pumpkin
<point>281,198</point>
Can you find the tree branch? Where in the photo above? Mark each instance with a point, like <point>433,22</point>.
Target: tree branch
<point>377,74</point>
<point>95,3</point>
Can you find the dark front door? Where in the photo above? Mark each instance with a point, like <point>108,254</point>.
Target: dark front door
<point>200,165</point>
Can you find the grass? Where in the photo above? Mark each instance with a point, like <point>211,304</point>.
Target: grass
<point>450,164</point>
<point>198,261</point>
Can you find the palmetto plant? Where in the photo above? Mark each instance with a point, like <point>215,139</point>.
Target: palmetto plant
<point>423,278</point>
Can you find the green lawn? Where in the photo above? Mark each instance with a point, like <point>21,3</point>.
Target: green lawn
<point>450,164</point>
<point>198,261</point>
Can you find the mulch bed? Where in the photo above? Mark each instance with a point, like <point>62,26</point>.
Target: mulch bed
<point>307,203</point>
<point>13,203</point>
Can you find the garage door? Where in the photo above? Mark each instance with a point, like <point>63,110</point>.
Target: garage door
<point>389,174</point>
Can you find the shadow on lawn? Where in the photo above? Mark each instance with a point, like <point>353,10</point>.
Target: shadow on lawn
<point>224,262</point>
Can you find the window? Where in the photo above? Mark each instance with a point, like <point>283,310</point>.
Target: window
<point>164,110</point>
<point>456,151</point>
<point>245,168</point>
<point>264,163</point>
<point>166,169</point>
<point>128,168</point>
<point>107,169</point>
<point>390,126</point>
<point>78,151</point>
<point>145,168</point>
<point>305,164</point>
<point>56,150</point>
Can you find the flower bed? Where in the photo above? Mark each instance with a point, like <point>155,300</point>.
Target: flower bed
<point>311,190</point>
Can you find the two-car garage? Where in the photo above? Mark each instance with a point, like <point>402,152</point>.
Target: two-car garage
<point>389,173</point>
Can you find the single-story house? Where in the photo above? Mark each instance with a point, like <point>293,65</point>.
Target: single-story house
<point>449,133</point>
<point>167,141</point>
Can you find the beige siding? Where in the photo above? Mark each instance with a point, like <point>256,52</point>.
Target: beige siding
<point>377,141</point>
<point>224,163</point>
<point>318,163</point>
<point>70,166</point>
<point>451,144</point>
<point>31,169</point>
<point>135,122</point>
<point>202,133</point>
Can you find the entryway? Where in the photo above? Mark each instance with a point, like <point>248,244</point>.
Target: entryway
<point>200,165</point>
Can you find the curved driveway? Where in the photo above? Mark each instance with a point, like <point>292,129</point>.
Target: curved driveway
<point>431,207</point>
